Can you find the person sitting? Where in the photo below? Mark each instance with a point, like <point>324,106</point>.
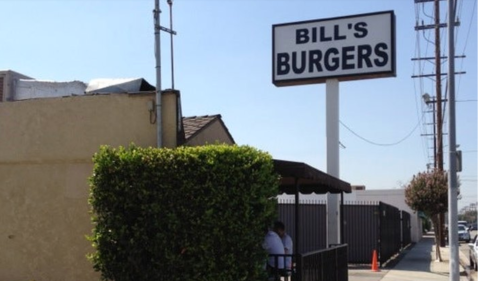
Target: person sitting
<point>279,228</point>
<point>274,247</point>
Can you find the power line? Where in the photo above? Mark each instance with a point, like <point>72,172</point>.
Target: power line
<point>377,143</point>
<point>422,67</point>
<point>425,18</point>
<point>473,12</point>
<point>465,100</point>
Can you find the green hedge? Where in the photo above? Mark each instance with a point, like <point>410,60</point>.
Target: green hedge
<point>191,213</point>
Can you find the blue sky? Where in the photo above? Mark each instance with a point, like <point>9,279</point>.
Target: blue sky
<point>223,66</point>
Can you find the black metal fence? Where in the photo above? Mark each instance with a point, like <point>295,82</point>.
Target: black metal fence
<point>279,270</point>
<point>406,229</point>
<point>312,232</point>
<point>361,231</point>
<point>323,265</point>
<point>367,226</point>
<point>389,242</point>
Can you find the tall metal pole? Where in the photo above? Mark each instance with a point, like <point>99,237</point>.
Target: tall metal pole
<point>453,188</point>
<point>170,3</point>
<point>332,158</point>
<point>156,15</point>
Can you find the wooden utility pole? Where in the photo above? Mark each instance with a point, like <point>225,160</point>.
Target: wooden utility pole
<point>438,150</point>
<point>439,163</point>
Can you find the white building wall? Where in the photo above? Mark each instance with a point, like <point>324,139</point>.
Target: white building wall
<point>30,89</point>
<point>396,198</point>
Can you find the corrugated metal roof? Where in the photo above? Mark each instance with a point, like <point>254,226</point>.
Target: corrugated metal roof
<point>118,85</point>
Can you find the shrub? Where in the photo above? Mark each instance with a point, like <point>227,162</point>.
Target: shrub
<point>191,213</point>
<point>428,192</point>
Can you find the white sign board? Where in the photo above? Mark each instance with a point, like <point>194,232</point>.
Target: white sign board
<point>345,48</point>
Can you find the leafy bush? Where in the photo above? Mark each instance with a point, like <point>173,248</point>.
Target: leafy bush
<point>191,213</point>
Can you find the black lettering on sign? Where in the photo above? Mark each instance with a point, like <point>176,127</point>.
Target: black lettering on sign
<point>348,55</point>
<point>302,62</point>
<point>322,35</point>
<point>379,51</point>
<point>364,56</point>
<point>315,57</point>
<point>314,34</point>
<point>283,64</point>
<point>361,30</point>
<point>302,36</point>
<point>331,60</point>
<point>338,36</point>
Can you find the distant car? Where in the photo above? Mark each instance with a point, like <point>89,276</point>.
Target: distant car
<point>473,254</point>
<point>464,223</point>
<point>473,226</point>
<point>463,233</point>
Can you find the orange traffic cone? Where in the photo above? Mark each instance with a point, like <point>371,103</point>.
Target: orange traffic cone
<point>374,265</point>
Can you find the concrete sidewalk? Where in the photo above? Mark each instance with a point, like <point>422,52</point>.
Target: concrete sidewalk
<point>416,263</point>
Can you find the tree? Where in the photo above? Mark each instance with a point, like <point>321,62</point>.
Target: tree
<point>428,192</point>
<point>468,215</point>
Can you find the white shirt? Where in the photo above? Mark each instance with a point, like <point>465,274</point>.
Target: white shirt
<point>273,245</point>
<point>288,249</point>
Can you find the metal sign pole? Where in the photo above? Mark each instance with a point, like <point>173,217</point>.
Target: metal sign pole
<point>332,158</point>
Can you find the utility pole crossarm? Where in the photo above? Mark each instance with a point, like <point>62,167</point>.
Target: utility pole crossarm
<point>442,57</point>
<point>424,1</point>
<point>167,30</point>
<point>431,26</point>
<point>431,75</point>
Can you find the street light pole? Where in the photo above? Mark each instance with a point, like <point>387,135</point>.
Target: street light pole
<point>156,15</point>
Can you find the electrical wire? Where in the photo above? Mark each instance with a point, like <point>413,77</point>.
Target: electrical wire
<point>421,67</point>
<point>377,143</point>
<point>424,52</point>
<point>458,15</point>
<point>473,12</point>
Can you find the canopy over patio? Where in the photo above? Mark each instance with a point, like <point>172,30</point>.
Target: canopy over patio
<point>297,177</point>
<point>308,179</point>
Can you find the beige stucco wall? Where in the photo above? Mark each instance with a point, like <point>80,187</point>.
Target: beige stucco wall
<point>46,146</point>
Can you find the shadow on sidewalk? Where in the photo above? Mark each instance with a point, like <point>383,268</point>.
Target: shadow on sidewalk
<point>418,258</point>
<point>415,257</point>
